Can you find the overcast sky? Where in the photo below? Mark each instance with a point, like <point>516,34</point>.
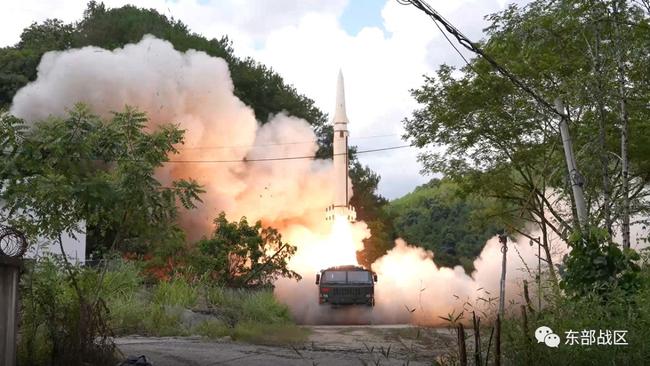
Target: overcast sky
<point>382,47</point>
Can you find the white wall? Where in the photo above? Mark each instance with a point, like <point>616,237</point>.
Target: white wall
<point>75,248</point>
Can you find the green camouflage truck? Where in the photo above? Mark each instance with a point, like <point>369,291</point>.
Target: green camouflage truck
<point>346,285</point>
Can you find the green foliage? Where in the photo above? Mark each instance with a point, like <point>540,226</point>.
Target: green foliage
<point>370,208</point>
<point>239,254</point>
<point>161,310</point>
<point>57,326</point>
<point>622,311</point>
<point>505,145</point>
<point>597,265</point>
<point>18,64</point>
<point>101,172</point>
<point>255,84</point>
<point>437,217</point>
<point>212,329</point>
<point>50,308</point>
<point>176,292</point>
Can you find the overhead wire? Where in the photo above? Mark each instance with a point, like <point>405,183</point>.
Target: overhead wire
<point>465,42</point>
<point>246,160</point>
<point>254,146</point>
<point>305,157</point>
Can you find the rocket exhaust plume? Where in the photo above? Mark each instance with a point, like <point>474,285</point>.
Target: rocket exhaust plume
<point>195,91</point>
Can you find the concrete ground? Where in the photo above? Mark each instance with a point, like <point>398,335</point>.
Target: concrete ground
<point>327,345</point>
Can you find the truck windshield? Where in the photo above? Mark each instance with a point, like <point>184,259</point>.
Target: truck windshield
<point>359,277</point>
<point>333,277</point>
<point>340,277</point>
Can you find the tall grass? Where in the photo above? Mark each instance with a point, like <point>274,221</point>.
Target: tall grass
<point>176,292</point>
<point>619,312</point>
<point>247,315</point>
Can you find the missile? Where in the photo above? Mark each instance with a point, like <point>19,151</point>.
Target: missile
<point>341,206</point>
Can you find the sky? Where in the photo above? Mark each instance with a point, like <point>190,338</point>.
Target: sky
<point>382,47</point>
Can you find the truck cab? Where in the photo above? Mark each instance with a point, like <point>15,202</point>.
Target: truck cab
<point>346,285</point>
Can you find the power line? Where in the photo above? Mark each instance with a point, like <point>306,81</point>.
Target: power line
<point>306,157</point>
<point>465,42</point>
<point>276,144</point>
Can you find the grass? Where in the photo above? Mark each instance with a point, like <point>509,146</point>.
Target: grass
<point>50,312</point>
<point>621,312</point>
<point>244,315</point>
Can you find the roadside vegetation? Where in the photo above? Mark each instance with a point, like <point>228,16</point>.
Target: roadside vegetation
<point>106,179</point>
<point>502,145</point>
<point>131,306</point>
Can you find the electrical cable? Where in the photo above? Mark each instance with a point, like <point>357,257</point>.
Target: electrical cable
<point>254,146</point>
<point>310,157</point>
<point>465,42</point>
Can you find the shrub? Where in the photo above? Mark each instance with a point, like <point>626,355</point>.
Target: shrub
<point>262,307</point>
<point>621,311</point>
<point>596,265</point>
<point>61,323</point>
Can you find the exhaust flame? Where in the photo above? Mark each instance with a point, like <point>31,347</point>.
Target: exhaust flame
<point>341,248</point>
<point>196,91</point>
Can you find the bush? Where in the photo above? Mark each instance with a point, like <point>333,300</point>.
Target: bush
<point>51,310</point>
<point>61,323</point>
<point>596,265</point>
<point>262,307</point>
<point>620,311</point>
<point>127,314</point>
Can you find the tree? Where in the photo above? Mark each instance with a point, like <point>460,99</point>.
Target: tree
<point>18,64</point>
<point>66,171</point>
<point>497,139</point>
<point>437,217</point>
<point>256,85</point>
<point>241,255</point>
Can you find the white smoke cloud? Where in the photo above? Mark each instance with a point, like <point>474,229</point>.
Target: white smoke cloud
<point>195,91</point>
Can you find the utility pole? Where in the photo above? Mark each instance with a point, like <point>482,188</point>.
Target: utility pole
<point>574,175</point>
<point>625,169</point>
<point>503,239</point>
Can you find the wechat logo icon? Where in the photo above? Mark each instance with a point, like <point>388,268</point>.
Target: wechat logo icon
<point>545,335</point>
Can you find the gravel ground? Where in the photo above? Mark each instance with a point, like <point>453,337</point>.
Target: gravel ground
<point>327,345</point>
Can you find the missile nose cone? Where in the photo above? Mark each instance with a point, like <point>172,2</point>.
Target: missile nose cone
<point>340,115</point>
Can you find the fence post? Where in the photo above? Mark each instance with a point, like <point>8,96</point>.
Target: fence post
<point>12,247</point>
<point>9,279</point>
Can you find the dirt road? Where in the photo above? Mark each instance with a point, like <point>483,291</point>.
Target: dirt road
<point>327,345</point>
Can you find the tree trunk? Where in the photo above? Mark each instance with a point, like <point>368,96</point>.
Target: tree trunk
<point>624,131</point>
<point>602,138</point>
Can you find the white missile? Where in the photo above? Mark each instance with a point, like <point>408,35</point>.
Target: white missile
<point>341,206</point>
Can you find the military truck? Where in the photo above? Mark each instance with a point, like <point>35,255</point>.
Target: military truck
<point>346,285</point>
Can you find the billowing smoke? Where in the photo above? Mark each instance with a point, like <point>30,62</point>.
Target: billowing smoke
<point>195,91</point>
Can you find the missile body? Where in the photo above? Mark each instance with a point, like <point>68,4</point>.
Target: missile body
<point>342,188</point>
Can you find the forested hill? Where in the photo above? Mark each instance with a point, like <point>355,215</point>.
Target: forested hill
<point>439,217</point>
<point>255,84</point>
